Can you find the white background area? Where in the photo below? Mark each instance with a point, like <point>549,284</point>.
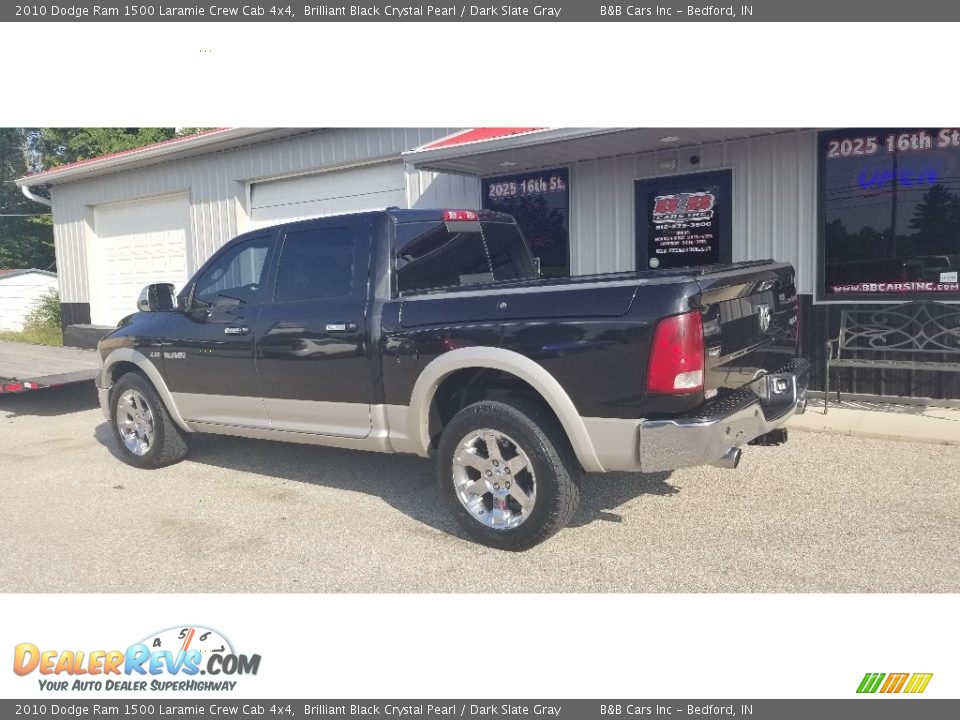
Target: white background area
<point>573,646</point>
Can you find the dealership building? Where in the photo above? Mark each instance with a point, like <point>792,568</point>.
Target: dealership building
<point>867,216</point>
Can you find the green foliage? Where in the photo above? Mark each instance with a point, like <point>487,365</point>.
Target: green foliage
<point>42,323</point>
<point>25,242</point>
<point>45,313</point>
<point>56,146</point>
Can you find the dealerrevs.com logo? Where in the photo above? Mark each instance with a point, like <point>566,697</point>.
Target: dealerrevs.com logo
<point>172,659</point>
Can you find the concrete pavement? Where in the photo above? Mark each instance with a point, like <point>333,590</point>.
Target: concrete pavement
<point>823,513</point>
<point>916,423</point>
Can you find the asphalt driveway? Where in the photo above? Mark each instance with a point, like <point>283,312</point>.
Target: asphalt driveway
<point>822,513</point>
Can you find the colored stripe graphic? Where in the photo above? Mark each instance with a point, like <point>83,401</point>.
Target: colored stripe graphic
<point>918,683</point>
<point>870,682</point>
<point>895,682</point>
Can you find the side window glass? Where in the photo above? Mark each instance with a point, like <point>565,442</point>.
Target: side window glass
<point>317,263</point>
<point>236,276</point>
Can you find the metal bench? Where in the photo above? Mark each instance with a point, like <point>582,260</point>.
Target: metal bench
<point>925,334</point>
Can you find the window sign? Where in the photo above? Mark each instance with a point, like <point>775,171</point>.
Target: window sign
<point>540,201</point>
<point>890,209</point>
<point>683,220</point>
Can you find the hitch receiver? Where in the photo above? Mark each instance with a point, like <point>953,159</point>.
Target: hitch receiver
<point>777,436</point>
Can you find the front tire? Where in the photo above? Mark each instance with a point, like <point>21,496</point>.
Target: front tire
<point>508,474</point>
<point>147,436</point>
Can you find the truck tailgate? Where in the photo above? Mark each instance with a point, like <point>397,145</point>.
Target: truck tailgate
<point>750,322</point>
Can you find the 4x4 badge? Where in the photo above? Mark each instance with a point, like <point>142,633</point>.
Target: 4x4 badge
<point>763,315</point>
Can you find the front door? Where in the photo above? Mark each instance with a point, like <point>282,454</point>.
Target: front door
<point>684,220</point>
<point>208,350</point>
<point>312,356</point>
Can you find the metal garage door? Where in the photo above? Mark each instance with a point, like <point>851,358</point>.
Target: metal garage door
<point>372,187</point>
<point>135,244</point>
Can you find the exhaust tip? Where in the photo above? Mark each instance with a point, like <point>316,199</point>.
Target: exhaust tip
<point>730,460</point>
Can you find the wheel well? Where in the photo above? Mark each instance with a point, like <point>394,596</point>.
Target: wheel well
<point>119,369</point>
<point>465,387</point>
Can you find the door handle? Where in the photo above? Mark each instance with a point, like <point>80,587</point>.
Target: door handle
<point>341,327</point>
<point>236,330</point>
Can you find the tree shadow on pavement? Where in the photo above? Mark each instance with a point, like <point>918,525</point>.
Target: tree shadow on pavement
<point>405,482</point>
<point>52,401</point>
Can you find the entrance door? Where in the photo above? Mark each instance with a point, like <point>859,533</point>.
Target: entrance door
<point>684,220</point>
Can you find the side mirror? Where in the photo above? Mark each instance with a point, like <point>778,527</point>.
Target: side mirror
<point>158,297</point>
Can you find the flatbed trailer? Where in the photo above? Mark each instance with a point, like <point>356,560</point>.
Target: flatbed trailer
<point>31,367</point>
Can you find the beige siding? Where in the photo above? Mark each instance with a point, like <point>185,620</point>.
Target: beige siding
<point>216,184</point>
<point>774,191</point>
<point>426,189</point>
<point>774,201</point>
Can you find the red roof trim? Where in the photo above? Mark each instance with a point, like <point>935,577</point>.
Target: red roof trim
<point>132,151</point>
<point>477,135</point>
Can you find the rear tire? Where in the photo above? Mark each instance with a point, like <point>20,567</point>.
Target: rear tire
<point>147,436</point>
<point>507,474</point>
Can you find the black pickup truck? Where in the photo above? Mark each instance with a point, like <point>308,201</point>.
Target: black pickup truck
<point>431,332</point>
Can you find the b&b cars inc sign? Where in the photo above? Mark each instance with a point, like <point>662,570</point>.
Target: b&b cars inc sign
<point>684,228</point>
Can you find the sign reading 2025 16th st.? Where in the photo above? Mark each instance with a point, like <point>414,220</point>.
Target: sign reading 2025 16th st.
<point>184,659</point>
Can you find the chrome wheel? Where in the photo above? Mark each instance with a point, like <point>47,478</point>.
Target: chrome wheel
<point>135,422</point>
<point>494,480</point>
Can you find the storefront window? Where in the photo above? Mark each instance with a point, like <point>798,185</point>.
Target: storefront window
<point>890,203</point>
<point>683,220</point>
<point>540,201</point>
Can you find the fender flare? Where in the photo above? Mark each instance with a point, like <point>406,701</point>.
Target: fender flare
<point>520,366</point>
<point>126,354</point>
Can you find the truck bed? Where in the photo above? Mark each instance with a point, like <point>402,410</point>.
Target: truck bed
<point>29,367</point>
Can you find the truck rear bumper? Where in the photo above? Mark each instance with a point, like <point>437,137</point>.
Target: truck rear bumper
<point>705,439</point>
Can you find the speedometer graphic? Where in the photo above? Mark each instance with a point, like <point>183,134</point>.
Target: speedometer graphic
<point>184,639</point>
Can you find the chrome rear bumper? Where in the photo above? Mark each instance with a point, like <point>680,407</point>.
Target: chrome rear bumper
<point>723,425</point>
<point>705,440</point>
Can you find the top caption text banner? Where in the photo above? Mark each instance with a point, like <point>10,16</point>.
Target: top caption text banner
<point>549,11</point>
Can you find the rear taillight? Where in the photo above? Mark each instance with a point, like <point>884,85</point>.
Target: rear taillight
<point>676,356</point>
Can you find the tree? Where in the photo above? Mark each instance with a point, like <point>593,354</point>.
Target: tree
<point>936,220</point>
<point>56,146</point>
<point>26,232</point>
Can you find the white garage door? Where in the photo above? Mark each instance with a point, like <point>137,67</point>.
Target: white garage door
<point>373,187</point>
<point>136,244</point>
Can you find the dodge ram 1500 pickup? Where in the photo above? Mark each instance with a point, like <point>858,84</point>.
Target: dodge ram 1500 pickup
<point>431,332</point>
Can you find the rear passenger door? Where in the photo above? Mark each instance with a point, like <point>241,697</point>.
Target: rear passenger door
<point>313,363</point>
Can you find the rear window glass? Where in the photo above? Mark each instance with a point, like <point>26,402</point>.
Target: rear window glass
<point>440,255</point>
<point>429,255</point>
<point>509,255</point>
